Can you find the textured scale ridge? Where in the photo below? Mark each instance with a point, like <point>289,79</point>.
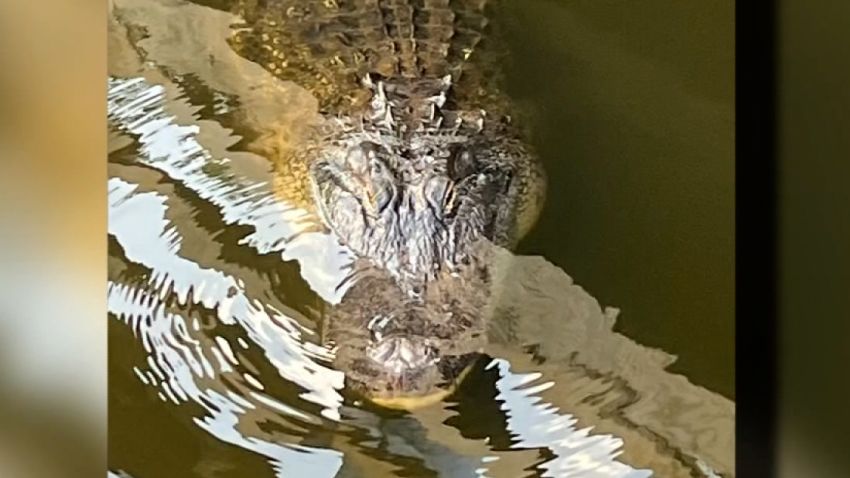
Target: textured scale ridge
<point>327,46</point>
<point>417,157</point>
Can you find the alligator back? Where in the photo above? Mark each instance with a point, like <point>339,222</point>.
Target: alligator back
<point>329,46</point>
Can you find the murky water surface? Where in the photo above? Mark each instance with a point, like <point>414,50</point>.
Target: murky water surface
<point>222,279</point>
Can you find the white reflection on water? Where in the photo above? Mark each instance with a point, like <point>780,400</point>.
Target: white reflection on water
<point>179,363</point>
<point>536,424</point>
<point>138,222</point>
<point>187,364</point>
<point>178,360</point>
<point>139,108</point>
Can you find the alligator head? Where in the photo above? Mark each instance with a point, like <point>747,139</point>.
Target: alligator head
<point>410,185</point>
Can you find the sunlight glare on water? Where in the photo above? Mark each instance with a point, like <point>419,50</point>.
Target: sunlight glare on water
<point>222,280</point>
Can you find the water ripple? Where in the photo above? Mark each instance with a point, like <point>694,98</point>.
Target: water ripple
<point>537,424</point>
<point>219,345</point>
<point>138,223</point>
<point>139,108</point>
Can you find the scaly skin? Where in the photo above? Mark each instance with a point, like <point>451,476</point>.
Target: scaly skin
<point>415,162</point>
<point>411,353</point>
<point>417,157</point>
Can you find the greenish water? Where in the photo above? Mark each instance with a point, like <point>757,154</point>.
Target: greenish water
<point>219,278</point>
<point>633,105</point>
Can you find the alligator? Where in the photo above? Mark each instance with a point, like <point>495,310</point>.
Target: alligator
<point>543,321</point>
<point>418,156</point>
<point>417,160</point>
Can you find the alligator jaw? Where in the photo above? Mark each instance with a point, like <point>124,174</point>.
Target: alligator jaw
<point>413,402</point>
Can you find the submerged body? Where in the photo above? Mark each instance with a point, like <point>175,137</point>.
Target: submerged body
<point>415,162</point>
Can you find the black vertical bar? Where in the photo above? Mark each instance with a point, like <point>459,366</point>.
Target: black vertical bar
<point>757,319</point>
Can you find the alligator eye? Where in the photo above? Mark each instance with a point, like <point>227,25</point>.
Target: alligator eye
<point>439,192</point>
<point>461,164</point>
<point>380,184</point>
<point>369,147</point>
<point>383,196</point>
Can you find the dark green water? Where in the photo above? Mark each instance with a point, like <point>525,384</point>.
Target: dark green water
<point>634,110</point>
<point>219,279</point>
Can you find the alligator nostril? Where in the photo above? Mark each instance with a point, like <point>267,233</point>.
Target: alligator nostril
<point>400,353</point>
